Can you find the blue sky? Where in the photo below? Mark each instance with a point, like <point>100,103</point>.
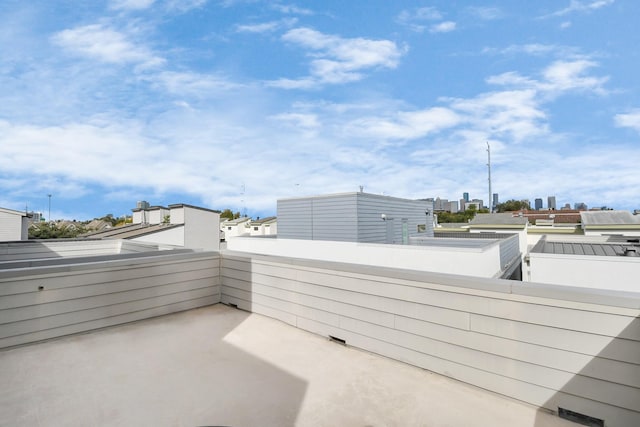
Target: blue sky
<point>235,104</point>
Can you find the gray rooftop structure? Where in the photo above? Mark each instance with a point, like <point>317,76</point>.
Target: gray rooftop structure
<point>609,218</point>
<point>586,248</point>
<point>500,219</point>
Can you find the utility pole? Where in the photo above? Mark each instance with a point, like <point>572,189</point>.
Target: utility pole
<point>490,204</point>
<point>49,217</point>
<point>244,209</point>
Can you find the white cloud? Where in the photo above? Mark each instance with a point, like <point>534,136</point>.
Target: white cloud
<point>630,120</point>
<point>486,13</point>
<point>191,84</point>
<point>512,114</point>
<point>105,44</point>
<point>577,6</point>
<point>536,49</point>
<point>130,4</point>
<point>266,27</point>
<point>184,5</point>
<point>570,75</point>
<point>443,27</point>
<point>405,124</point>
<point>415,19</point>
<point>291,9</point>
<point>338,60</point>
<point>308,121</point>
<point>557,78</point>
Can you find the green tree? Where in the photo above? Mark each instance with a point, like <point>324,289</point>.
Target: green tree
<point>228,214</point>
<point>51,230</point>
<point>512,205</point>
<point>466,216</point>
<point>110,219</point>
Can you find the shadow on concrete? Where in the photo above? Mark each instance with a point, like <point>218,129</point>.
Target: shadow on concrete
<point>178,369</point>
<point>588,400</point>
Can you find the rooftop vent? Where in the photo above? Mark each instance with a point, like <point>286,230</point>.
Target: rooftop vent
<point>579,418</point>
<point>338,340</point>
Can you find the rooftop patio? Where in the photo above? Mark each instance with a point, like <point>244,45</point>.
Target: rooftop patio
<point>566,350</point>
<point>221,366</point>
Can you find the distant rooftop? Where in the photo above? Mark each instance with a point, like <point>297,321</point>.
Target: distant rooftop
<point>263,220</point>
<point>498,219</point>
<point>235,221</point>
<point>598,245</point>
<point>609,218</point>
<point>130,231</point>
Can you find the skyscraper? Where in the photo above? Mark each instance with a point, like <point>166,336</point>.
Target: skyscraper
<point>538,204</point>
<point>495,202</point>
<point>551,203</point>
<point>465,197</point>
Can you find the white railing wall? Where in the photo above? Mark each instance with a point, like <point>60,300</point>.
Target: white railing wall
<point>52,300</point>
<point>551,346</point>
<point>24,250</point>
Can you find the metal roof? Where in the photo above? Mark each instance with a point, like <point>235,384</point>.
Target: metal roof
<point>129,231</point>
<point>236,221</point>
<point>609,218</point>
<point>498,219</point>
<point>263,220</point>
<point>586,248</point>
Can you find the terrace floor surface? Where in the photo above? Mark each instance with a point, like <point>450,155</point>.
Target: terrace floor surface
<point>218,366</point>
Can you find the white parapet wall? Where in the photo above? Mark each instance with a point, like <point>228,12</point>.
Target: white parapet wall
<point>473,261</point>
<point>550,346</point>
<point>53,298</point>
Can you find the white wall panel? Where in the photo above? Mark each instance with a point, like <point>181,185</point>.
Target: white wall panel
<point>552,349</point>
<point>54,300</point>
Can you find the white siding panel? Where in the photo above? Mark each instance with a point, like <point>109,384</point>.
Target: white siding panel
<point>51,301</point>
<point>10,226</point>
<point>545,351</point>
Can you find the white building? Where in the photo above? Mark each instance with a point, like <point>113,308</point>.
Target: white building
<point>150,215</point>
<point>14,225</point>
<point>611,263</point>
<point>189,226</point>
<point>236,227</point>
<point>264,227</point>
<point>354,217</point>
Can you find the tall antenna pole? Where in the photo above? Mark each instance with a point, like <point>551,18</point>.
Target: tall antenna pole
<point>244,209</point>
<point>490,204</point>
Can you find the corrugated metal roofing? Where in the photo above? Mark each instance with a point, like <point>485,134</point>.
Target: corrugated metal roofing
<point>573,248</point>
<point>609,218</point>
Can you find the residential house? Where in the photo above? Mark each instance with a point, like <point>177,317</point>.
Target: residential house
<point>236,227</point>
<point>264,227</point>
<point>189,226</point>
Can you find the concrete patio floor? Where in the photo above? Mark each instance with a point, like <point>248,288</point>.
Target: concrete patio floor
<point>218,366</point>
